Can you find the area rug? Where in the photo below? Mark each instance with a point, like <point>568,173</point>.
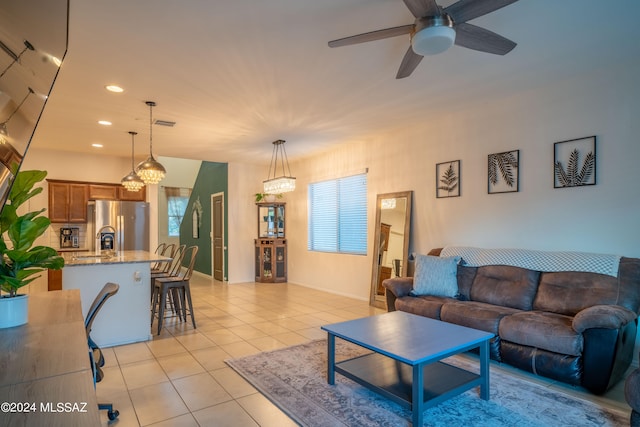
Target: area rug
<point>294,379</point>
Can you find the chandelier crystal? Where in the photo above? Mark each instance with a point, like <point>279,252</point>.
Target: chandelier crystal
<point>151,171</point>
<point>284,183</point>
<point>132,182</point>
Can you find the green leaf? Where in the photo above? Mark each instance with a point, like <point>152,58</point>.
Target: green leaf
<point>20,262</point>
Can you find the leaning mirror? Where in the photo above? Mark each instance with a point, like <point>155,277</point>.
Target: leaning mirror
<point>391,242</point>
<point>33,43</point>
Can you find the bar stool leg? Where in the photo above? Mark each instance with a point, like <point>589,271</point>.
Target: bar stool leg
<point>162,302</point>
<point>154,302</point>
<point>187,290</point>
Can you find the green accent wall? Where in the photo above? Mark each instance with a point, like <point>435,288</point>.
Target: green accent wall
<point>212,178</point>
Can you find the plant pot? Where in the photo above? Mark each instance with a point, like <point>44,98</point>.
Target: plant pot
<point>269,198</point>
<point>14,311</point>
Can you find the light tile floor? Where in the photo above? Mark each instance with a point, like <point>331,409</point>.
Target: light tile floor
<point>180,378</point>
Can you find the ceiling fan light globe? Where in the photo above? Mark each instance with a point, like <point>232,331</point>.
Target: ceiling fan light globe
<point>433,40</point>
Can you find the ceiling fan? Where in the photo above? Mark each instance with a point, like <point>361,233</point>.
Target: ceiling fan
<point>436,29</point>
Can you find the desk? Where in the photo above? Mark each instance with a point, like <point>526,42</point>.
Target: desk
<point>44,366</point>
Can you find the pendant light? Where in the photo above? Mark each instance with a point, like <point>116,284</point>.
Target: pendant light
<point>151,171</point>
<point>283,183</point>
<point>132,182</point>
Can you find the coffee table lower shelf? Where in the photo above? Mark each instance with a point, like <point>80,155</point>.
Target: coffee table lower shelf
<point>393,379</point>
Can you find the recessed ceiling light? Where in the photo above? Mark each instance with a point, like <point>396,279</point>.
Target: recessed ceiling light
<point>105,122</point>
<point>96,145</point>
<point>114,88</point>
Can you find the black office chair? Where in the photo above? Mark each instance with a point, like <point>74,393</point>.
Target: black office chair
<point>95,354</point>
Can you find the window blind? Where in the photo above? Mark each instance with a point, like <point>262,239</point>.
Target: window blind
<point>338,215</point>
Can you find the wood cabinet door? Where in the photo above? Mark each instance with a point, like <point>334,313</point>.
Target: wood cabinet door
<point>103,192</point>
<point>134,196</point>
<point>78,203</point>
<point>58,202</point>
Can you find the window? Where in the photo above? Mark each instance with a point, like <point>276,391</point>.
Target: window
<point>338,215</point>
<point>177,200</point>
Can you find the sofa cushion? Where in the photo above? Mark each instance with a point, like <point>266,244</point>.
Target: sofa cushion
<point>436,276</point>
<point>477,315</point>
<point>426,305</point>
<point>569,292</point>
<point>505,285</point>
<point>548,331</point>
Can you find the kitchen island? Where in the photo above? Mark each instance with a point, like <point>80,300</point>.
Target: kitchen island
<point>125,317</point>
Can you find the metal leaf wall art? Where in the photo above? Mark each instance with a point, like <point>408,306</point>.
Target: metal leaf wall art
<point>578,172</point>
<point>503,172</point>
<point>448,179</point>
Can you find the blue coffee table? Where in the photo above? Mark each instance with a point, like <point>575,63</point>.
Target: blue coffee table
<point>406,365</point>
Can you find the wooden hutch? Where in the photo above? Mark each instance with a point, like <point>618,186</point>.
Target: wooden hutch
<point>271,245</point>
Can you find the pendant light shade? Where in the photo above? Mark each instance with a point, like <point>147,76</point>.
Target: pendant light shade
<point>283,183</point>
<point>151,171</point>
<point>132,182</point>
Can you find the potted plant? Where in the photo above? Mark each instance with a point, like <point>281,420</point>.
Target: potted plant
<point>264,197</point>
<point>20,261</point>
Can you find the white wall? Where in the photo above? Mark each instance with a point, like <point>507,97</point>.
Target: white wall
<point>601,218</point>
<point>181,173</point>
<point>244,181</point>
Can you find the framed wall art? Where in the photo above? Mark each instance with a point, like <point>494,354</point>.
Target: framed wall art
<point>448,179</point>
<point>504,172</point>
<point>574,162</point>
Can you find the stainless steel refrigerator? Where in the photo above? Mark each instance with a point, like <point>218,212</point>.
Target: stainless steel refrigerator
<point>129,219</point>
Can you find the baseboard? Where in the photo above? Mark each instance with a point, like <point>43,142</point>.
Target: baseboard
<point>203,275</point>
<point>329,291</point>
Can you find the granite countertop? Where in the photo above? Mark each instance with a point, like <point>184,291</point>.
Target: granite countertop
<point>73,259</point>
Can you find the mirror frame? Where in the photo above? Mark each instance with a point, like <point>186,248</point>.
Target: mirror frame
<point>376,300</point>
<point>38,29</point>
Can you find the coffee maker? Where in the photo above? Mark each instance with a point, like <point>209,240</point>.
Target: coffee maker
<point>69,237</point>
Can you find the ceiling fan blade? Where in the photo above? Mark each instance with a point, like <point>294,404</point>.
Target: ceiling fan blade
<point>466,10</point>
<point>421,8</point>
<point>408,64</point>
<point>477,38</point>
<point>373,35</point>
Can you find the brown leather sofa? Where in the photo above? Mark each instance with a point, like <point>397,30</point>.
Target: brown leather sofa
<point>632,396</point>
<point>575,327</point>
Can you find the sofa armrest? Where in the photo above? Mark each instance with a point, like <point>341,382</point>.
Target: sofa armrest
<point>602,316</point>
<point>399,286</point>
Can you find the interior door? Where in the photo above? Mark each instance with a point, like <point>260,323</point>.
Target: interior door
<point>217,236</point>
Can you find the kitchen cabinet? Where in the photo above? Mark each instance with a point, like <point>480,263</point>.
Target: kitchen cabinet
<point>67,202</point>
<point>54,280</point>
<point>115,192</point>
<point>132,196</point>
<point>103,192</point>
<point>68,199</point>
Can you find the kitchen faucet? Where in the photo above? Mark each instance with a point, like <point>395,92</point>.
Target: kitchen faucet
<point>99,238</point>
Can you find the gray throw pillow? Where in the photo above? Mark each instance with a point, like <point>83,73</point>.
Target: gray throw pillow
<point>436,276</point>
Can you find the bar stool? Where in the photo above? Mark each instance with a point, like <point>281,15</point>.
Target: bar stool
<point>179,287</point>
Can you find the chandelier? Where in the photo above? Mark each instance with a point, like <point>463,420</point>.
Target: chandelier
<point>132,182</point>
<point>151,171</point>
<point>283,183</point>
